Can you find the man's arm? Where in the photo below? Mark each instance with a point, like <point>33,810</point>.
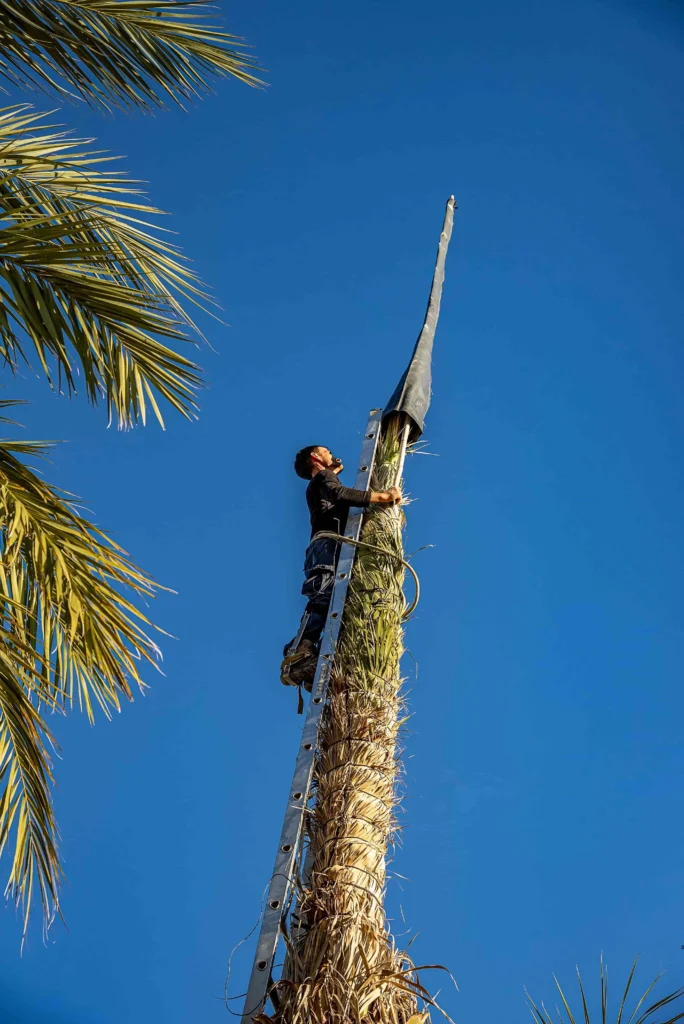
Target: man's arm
<point>335,491</point>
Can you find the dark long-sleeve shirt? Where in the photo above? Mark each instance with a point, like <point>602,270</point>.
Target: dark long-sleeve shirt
<point>329,502</point>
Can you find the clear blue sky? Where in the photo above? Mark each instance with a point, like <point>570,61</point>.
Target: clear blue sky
<point>545,757</point>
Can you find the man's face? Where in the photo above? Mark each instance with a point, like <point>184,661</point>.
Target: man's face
<point>325,457</point>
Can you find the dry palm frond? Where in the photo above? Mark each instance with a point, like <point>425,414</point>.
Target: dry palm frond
<point>68,634</point>
<point>82,277</point>
<point>641,1013</point>
<point>127,53</point>
<point>342,966</point>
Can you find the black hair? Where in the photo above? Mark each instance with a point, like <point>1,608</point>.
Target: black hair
<point>302,462</point>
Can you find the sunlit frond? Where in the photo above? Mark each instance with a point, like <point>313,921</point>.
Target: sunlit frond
<point>138,53</point>
<point>25,802</point>
<point>84,280</point>
<point>64,585</point>
<point>69,634</point>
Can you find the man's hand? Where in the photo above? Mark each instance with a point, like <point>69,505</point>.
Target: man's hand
<point>391,497</point>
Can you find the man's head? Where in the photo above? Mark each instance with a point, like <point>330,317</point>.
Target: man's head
<point>309,461</point>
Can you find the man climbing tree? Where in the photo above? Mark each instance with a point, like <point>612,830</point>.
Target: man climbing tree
<point>329,502</point>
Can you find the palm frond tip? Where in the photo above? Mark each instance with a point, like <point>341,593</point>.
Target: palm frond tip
<point>84,280</point>
<point>137,53</point>
<point>643,1012</point>
<point>25,800</point>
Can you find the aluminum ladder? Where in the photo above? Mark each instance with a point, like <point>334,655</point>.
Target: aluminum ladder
<point>291,837</point>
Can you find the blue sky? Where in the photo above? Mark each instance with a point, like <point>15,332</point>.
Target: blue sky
<point>544,760</point>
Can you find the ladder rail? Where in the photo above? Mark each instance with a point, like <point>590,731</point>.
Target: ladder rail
<point>280,888</point>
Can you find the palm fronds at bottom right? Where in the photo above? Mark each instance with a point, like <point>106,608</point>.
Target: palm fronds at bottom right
<point>643,1011</point>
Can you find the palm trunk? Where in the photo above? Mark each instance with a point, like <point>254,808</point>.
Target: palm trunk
<point>342,966</point>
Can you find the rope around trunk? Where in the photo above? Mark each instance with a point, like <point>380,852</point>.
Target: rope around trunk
<point>384,551</point>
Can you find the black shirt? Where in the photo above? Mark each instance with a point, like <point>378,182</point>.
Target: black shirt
<point>329,502</point>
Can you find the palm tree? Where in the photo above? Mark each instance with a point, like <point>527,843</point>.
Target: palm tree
<point>342,965</point>
<point>89,292</point>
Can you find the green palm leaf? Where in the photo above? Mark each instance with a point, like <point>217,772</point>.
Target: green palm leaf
<point>68,635</point>
<point>651,1014</point>
<point>122,52</point>
<point>25,802</point>
<point>83,280</point>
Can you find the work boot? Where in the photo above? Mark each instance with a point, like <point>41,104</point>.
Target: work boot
<point>299,668</point>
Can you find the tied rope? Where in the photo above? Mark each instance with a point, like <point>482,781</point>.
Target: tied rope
<point>371,547</point>
<point>384,551</point>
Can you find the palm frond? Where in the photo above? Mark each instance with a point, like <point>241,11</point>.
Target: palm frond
<point>25,802</point>
<point>125,53</point>
<point>10,403</point>
<point>69,635</point>
<point>83,279</point>
<point>650,1015</point>
<point>63,584</point>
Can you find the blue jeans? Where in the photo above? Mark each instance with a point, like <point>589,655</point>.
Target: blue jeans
<point>320,563</point>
